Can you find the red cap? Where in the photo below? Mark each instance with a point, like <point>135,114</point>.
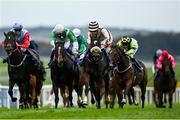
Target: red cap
<point>165,53</point>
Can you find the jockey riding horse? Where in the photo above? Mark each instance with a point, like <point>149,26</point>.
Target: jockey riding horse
<point>19,71</point>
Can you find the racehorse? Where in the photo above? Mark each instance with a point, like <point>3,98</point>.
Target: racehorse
<point>124,77</point>
<point>165,84</point>
<point>22,75</point>
<point>64,74</point>
<point>94,73</point>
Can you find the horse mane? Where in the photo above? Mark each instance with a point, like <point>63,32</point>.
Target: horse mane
<point>119,49</point>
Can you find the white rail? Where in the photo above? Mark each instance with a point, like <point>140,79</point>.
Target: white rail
<point>45,100</point>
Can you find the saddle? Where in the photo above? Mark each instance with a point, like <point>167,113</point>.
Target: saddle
<point>137,67</point>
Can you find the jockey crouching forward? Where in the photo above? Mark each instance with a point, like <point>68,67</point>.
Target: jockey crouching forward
<point>164,54</point>
<point>82,42</point>
<point>130,46</point>
<point>103,36</point>
<point>64,34</point>
<point>27,46</point>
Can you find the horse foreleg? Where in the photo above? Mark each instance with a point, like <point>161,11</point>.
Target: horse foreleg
<point>22,96</point>
<point>10,91</point>
<point>120,97</point>
<point>55,89</point>
<point>96,92</point>
<point>107,90</point>
<point>143,92</point>
<point>155,98</point>
<point>160,97</point>
<point>170,99</point>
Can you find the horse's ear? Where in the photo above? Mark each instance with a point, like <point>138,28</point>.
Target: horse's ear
<point>5,34</point>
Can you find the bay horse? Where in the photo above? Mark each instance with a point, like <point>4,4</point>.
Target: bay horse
<point>64,74</point>
<point>164,84</point>
<point>94,73</point>
<point>21,74</point>
<point>124,77</point>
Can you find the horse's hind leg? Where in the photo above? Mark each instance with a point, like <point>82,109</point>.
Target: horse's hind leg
<point>33,90</point>
<point>86,92</point>
<point>132,93</point>
<point>10,92</point>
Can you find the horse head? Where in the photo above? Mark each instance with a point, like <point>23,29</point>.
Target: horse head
<point>117,54</point>
<point>95,54</point>
<point>10,42</point>
<point>60,52</point>
<point>166,66</point>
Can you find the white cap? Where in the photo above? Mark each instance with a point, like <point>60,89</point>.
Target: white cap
<point>158,52</point>
<point>77,32</point>
<point>17,25</point>
<point>58,28</point>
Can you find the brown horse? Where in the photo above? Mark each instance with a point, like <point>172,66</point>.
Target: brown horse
<point>94,73</point>
<point>64,74</point>
<point>124,77</point>
<point>35,86</point>
<point>164,83</point>
<point>20,73</point>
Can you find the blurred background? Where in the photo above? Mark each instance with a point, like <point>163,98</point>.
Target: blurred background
<point>154,23</point>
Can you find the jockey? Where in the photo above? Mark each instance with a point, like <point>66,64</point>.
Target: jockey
<point>130,45</point>
<point>165,53</point>
<point>66,35</point>
<point>155,57</point>
<point>103,35</point>
<point>81,42</point>
<point>23,40</point>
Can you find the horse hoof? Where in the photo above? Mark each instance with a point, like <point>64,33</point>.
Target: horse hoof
<point>123,101</point>
<point>85,101</point>
<point>136,103</point>
<point>92,101</point>
<point>163,106</point>
<point>14,99</point>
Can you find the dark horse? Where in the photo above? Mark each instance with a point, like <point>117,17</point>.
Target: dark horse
<point>94,73</point>
<point>64,74</point>
<point>124,77</point>
<point>21,74</point>
<point>165,83</point>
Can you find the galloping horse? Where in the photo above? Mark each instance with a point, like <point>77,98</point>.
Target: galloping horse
<point>164,83</point>
<point>94,72</point>
<point>64,74</point>
<point>19,73</point>
<point>124,77</point>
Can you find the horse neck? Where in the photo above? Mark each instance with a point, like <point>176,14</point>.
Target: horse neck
<point>125,62</point>
<point>16,57</point>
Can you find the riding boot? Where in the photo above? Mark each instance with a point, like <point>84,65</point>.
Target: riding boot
<point>5,60</point>
<point>51,62</point>
<point>42,72</point>
<point>173,73</point>
<point>109,66</point>
<point>137,63</point>
<point>157,74</point>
